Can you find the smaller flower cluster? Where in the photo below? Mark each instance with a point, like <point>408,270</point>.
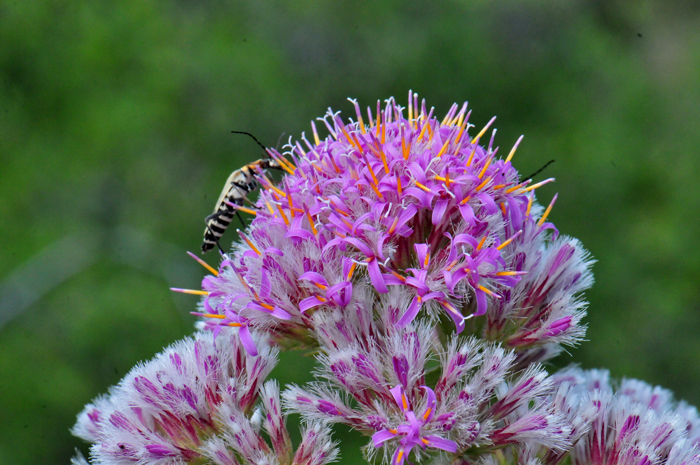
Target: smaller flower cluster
<point>543,311</point>
<point>199,400</point>
<point>635,424</point>
<point>479,402</point>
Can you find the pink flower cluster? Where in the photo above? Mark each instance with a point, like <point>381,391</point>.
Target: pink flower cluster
<point>417,265</point>
<point>407,208</point>
<point>199,401</point>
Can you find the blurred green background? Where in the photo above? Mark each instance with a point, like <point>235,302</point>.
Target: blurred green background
<point>115,122</point>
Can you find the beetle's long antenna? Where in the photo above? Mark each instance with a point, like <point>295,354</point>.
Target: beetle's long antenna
<point>254,138</point>
<point>280,140</point>
<point>240,218</point>
<point>539,170</point>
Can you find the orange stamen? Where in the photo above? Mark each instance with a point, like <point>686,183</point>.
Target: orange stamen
<point>244,283</point>
<point>284,217</point>
<point>316,139</point>
<point>352,270</point>
<point>416,113</point>
<point>383,158</point>
<point>283,163</point>
<point>189,291</point>
<point>483,183</point>
<point>376,190</point>
<point>357,142</point>
<point>204,264</point>
<point>458,147</point>
<point>516,187</point>
<point>211,315</point>
<point>489,292</point>
<point>335,167</point>
<point>471,156</point>
<point>483,131</point>
<point>246,210</point>
<point>452,265</point>
<point>509,273</point>
<point>311,222</point>
<point>393,226</point>
<point>529,206</point>
<point>460,119</point>
<point>289,200</point>
<point>347,136</point>
<point>384,132</point>
<point>401,278</point>
<point>361,122</point>
<point>245,238</point>
<point>515,147</point>
<point>278,191</point>
<point>266,306</point>
<point>289,164</point>
<point>422,132</point>
<point>450,308</point>
<point>481,243</point>
<point>504,244</point>
<point>338,210</point>
<point>486,166</point>
<point>346,222</point>
<point>447,116</point>
<point>269,207</point>
<point>547,211</point>
<point>535,186</point>
<point>444,147</point>
<point>461,131</point>
<point>421,186</point>
<point>446,179</point>
<point>403,147</point>
<point>371,172</point>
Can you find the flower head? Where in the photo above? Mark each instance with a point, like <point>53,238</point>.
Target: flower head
<point>480,399</point>
<point>198,400</point>
<point>406,204</point>
<point>634,424</point>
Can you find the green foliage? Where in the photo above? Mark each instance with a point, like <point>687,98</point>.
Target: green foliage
<point>115,122</point>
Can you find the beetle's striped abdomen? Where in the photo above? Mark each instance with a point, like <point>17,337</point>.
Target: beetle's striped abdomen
<point>239,184</point>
